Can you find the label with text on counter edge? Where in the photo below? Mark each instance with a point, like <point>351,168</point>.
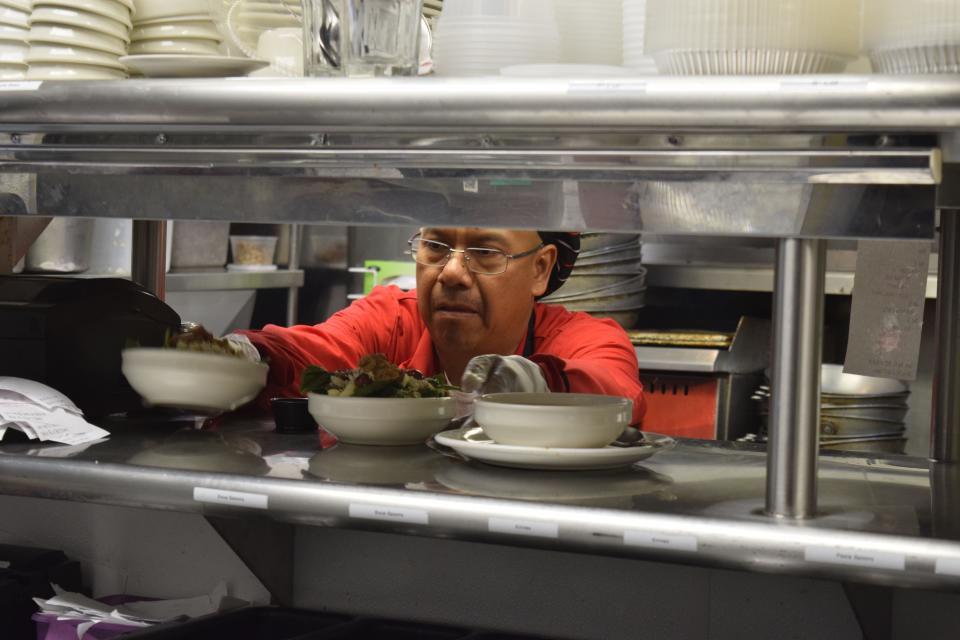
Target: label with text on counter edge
<point>654,540</point>
<point>389,514</point>
<point>532,528</point>
<point>231,498</point>
<point>855,557</point>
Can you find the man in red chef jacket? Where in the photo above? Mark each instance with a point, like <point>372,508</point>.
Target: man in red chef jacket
<point>474,317</point>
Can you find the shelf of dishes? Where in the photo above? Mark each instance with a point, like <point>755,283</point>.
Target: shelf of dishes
<point>881,518</point>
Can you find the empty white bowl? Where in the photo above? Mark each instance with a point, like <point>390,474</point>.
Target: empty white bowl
<point>554,420</point>
<point>203,29</point>
<point>192,380</point>
<point>381,421</point>
<point>40,52</point>
<point>75,36</point>
<point>73,18</point>
<point>183,46</point>
<point>70,71</point>
<point>113,9</point>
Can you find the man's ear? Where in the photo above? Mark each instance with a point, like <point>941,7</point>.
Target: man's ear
<point>543,263</point>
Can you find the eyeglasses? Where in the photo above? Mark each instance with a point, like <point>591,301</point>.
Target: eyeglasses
<point>488,262</point>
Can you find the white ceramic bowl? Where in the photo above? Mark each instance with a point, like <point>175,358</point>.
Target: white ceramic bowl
<point>189,17</point>
<point>70,71</point>
<point>40,52</point>
<point>21,5</point>
<point>182,46</point>
<point>554,420</point>
<point>144,10</point>
<point>113,9</point>
<point>203,29</point>
<point>381,421</point>
<point>72,18</point>
<point>13,49</point>
<point>191,380</point>
<point>14,17</point>
<point>12,71</point>
<point>76,37</point>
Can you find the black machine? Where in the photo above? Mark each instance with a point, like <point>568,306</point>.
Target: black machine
<point>68,333</point>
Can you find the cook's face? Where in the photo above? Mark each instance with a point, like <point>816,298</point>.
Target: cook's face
<point>478,313</point>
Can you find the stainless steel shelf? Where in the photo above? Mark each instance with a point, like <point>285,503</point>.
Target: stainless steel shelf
<point>882,520</point>
<point>224,280</point>
<point>719,278</point>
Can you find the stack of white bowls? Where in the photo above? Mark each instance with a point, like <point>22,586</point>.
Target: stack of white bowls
<point>78,39</point>
<point>249,19</point>
<point>478,37</point>
<point>634,29</point>
<point>14,27</point>
<point>177,27</point>
<point>590,32</point>
<point>922,36</point>
<point>707,37</point>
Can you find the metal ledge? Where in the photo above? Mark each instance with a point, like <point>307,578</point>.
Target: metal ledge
<point>837,103</point>
<point>227,280</point>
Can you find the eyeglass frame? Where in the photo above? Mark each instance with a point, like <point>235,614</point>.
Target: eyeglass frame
<point>466,258</point>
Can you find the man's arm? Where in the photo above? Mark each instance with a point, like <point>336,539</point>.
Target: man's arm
<point>590,355</point>
<point>368,325</point>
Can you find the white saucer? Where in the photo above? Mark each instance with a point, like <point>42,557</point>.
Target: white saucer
<point>251,267</point>
<point>474,443</point>
<point>172,65</point>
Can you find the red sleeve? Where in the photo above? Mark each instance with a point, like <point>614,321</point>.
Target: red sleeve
<point>583,354</point>
<point>369,325</point>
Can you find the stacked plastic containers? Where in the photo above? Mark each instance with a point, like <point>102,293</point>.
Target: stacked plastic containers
<point>78,39</point>
<point>916,36</point>
<point>590,32</point>
<point>754,37</point>
<point>479,37</point>
<point>634,28</point>
<point>14,28</point>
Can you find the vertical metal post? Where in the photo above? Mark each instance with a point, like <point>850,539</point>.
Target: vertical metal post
<point>945,428</point>
<point>795,379</point>
<point>293,293</point>
<point>149,255</point>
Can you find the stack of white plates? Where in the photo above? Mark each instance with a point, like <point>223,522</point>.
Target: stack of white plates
<point>14,21</point>
<point>179,38</point>
<point>590,32</point>
<point>476,38</point>
<point>634,27</point>
<point>78,39</point>
<point>912,37</point>
<point>722,37</point>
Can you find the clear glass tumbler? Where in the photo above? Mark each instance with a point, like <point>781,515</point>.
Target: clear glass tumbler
<point>379,37</point>
<point>321,38</point>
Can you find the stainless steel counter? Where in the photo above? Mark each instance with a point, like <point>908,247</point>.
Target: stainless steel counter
<point>885,520</point>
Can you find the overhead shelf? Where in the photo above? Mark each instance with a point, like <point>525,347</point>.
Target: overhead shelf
<point>227,280</point>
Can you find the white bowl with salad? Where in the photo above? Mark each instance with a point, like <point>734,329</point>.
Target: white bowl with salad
<point>377,403</point>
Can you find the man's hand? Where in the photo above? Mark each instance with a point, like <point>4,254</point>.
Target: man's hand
<point>496,374</point>
<point>244,346</point>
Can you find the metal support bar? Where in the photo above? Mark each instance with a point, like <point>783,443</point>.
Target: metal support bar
<point>149,259</point>
<point>945,428</point>
<point>795,379</point>
<point>293,293</point>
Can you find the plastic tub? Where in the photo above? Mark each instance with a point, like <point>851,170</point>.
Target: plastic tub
<point>253,250</point>
<point>198,244</point>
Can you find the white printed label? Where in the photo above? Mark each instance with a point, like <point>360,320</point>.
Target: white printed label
<point>390,514</point>
<point>948,567</point>
<point>824,84</point>
<point>660,541</point>
<point>232,498</point>
<point>604,86</point>
<point>524,527</point>
<point>16,85</point>
<point>471,185</point>
<point>855,557</point>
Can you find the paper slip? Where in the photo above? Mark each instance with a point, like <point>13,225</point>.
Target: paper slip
<point>19,389</point>
<point>886,320</point>
<point>48,426</point>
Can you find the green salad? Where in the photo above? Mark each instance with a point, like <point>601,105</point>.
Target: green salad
<point>376,377</point>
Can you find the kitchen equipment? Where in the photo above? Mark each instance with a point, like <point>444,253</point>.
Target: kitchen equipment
<point>575,420</point>
<point>78,39</point>
<point>380,37</point>
<point>68,333</point>
<point>199,244</point>
<point>834,381</point>
<point>472,442</point>
<point>590,32</point>
<point>381,421</point>
<point>207,382</point>
<point>699,384</point>
<point>912,37</point>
